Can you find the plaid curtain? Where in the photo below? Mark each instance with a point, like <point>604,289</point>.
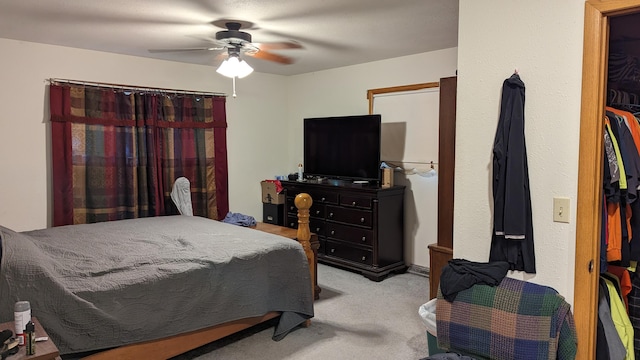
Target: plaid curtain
<point>117,153</point>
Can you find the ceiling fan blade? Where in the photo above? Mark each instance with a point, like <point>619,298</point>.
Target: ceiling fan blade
<point>221,56</point>
<point>269,56</point>
<point>184,49</point>
<point>278,45</point>
<point>334,45</point>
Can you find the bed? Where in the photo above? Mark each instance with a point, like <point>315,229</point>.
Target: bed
<point>163,284</point>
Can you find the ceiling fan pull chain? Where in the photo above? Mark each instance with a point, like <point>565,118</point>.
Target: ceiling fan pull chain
<point>234,86</point>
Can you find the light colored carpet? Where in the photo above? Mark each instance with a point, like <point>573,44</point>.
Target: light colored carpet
<point>355,318</point>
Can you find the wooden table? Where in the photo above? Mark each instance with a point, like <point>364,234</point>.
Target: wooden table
<point>292,234</point>
<point>45,350</point>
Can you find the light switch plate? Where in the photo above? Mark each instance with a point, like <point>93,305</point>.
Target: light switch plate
<point>561,209</point>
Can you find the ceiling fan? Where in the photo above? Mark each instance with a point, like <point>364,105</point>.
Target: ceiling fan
<point>238,42</point>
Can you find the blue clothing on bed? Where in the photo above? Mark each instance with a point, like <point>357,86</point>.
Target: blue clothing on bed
<point>240,219</point>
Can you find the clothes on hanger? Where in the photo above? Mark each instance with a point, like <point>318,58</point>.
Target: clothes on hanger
<point>512,236</point>
<point>620,184</point>
<point>634,310</point>
<point>620,319</point>
<point>620,242</point>
<point>624,282</point>
<point>609,345</point>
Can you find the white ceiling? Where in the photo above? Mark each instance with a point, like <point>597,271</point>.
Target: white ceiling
<point>333,33</point>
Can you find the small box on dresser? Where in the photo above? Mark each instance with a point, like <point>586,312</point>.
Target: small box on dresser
<point>270,194</point>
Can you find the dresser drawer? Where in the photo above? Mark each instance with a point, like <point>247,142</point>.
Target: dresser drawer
<point>292,221</point>
<point>356,201</point>
<point>323,245</point>
<point>318,196</point>
<point>316,210</point>
<point>349,233</point>
<point>347,252</point>
<point>322,197</point>
<point>315,226</point>
<point>349,216</point>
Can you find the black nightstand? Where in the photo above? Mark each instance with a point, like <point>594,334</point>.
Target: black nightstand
<point>273,214</point>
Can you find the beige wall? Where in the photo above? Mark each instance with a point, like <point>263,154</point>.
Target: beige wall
<point>543,39</point>
<point>256,122</point>
<point>343,91</point>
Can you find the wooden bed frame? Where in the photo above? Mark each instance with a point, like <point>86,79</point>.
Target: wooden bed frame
<point>178,344</point>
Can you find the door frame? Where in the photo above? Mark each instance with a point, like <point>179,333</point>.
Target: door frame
<point>589,201</point>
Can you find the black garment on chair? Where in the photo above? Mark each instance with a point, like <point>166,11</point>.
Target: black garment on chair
<point>460,274</point>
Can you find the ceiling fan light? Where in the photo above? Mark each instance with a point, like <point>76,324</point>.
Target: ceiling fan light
<point>228,67</point>
<point>244,69</point>
<point>234,67</point>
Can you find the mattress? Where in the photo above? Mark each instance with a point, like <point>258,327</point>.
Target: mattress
<point>103,285</point>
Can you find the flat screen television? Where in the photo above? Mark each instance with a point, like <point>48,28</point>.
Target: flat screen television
<point>342,147</point>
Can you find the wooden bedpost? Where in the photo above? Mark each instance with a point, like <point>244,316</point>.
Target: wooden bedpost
<point>303,202</point>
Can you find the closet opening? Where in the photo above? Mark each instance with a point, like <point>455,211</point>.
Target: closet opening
<point>623,66</point>
<point>609,30</point>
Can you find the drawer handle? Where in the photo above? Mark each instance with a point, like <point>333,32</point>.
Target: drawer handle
<point>317,229</point>
<point>364,258</point>
<point>333,250</point>
<point>353,203</point>
<point>292,208</point>
<point>330,215</point>
<point>361,220</point>
<point>323,199</point>
<point>333,232</point>
<point>292,224</point>
<point>317,212</point>
<point>364,238</point>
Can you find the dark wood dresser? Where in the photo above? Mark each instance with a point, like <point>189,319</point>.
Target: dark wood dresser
<point>360,227</point>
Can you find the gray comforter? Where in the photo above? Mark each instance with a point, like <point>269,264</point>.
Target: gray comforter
<point>108,284</point>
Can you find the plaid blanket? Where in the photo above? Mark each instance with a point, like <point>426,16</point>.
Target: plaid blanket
<point>514,320</point>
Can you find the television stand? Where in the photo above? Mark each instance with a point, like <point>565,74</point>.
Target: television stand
<point>360,226</point>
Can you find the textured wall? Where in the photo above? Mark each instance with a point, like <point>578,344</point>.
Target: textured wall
<point>543,39</point>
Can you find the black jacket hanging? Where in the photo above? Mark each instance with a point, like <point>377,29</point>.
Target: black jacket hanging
<point>512,238</point>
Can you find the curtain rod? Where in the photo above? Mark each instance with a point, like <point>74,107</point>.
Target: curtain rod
<point>129,87</point>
